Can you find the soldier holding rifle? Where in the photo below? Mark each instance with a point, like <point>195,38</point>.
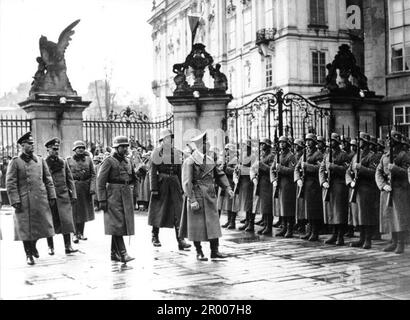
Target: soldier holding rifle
<point>301,219</point>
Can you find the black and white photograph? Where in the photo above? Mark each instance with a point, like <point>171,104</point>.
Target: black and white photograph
<point>203,156</point>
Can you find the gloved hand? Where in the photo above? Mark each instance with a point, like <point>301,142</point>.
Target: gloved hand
<point>17,206</point>
<point>52,202</point>
<point>103,206</point>
<point>231,194</point>
<point>326,185</point>
<point>274,184</point>
<point>387,188</point>
<point>352,184</point>
<point>300,183</point>
<point>357,166</point>
<point>195,205</point>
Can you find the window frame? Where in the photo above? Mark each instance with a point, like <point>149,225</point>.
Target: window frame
<point>403,108</point>
<point>318,24</point>
<point>247,10</point>
<point>268,76</point>
<point>320,65</point>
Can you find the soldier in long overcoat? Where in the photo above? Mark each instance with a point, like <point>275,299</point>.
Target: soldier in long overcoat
<point>114,181</point>
<point>144,189</point>
<point>301,218</point>
<point>200,219</point>
<point>352,205</point>
<point>367,210</point>
<point>66,194</point>
<point>282,177</point>
<point>392,181</point>
<point>264,185</point>
<point>1,203</point>
<point>332,177</point>
<point>165,204</point>
<point>244,188</point>
<point>83,171</point>
<point>312,193</point>
<point>31,192</point>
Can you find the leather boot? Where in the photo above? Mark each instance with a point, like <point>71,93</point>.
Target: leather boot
<point>261,221</point>
<point>289,231</point>
<point>182,245</point>
<point>243,220</point>
<point>67,244</point>
<point>284,229</point>
<point>34,250</point>
<point>333,237</point>
<point>114,251</point>
<point>368,237</point>
<point>350,232</point>
<point>251,226</point>
<point>50,244</point>
<point>76,238</point>
<point>119,241</point>
<point>232,224</point>
<point>81,231</point>
<point>268,229</point>
<point>242,228</point>
<point>29,255</point>
<point>340,240</point>
<point>264,226</point>
<point>155,237</point>
<point>199,253</point>
<point>309,230</point>
<point>278,224</point>
<point>360,242</point>
<point>400,242</point>
<point>393,245</point>
<point>215,254</point>
<point>314,226</point>
<point>228,222</point>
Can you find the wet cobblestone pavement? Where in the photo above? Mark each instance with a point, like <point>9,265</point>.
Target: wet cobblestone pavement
<point>258,268</point>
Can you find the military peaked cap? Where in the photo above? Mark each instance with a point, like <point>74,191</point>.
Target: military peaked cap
<point>27,137</point>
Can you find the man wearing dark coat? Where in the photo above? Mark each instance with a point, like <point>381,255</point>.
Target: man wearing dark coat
<point>200,218</point>
<point>332,177</point>
<point>115,196</point>
<point>165,204</point>
<point>66,194</point>
<point>312,193</point>
<point>82,168</point>
<point>301,218</point>
<point>367,204</point>
<point>393,181</point>
<point>31,192</point>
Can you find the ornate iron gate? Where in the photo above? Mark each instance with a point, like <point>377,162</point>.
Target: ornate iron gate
<point>275,114</point>
<point>135,125</point>
<point>12,128</point>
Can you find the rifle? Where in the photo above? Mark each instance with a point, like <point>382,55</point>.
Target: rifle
<point>256,186</point>
<point>276,189</point>
<point>237,171</point>
<point>301,191</point>
<point>389,178</point>
<point>326,195</point>
<point>353,194</point>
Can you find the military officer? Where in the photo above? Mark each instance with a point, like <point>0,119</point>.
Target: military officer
<point>165,204</point>
<point>200,219</point>
<point>392,180</point>
<point>321,144</point>
<point>114,181</point>
<point>66,194</point>
<point>307,177</point>
<point>282,177</point>
<point>332,179</point>
<point>82,168</point>
<point>366,211</point>
<point>301,218</point>
<point>31,192</point>
<point>352,206</point>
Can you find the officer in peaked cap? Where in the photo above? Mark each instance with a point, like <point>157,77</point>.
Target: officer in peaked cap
<point>114,192</point>
<point>336,209</point>
<point>31,195</point>
<point>82,168</point>
<point>165,204</point>
<point>66,195</point>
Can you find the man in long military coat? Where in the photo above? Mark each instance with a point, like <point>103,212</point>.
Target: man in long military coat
<point>66,194</point>
<point>165,204</point>
<point>200,218</point>
<point>307,176</point>
<point>282,176</point>
<point>301,218</point>
<point>392,180</point>
<point>82,168</point>
<point>115,197</point>
<point>332,177</point>
<point>367,210</point>
<point>31,192</point>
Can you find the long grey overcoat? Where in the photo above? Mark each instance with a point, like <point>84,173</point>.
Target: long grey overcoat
<point>30,183</point>
<point>119,218</point>
<point>198,183</point>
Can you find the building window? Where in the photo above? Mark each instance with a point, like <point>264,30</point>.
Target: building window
<point>318,67</point>
<point>402,115</point>
<point>247,25</point>
<point>269,14</point>
<point>318,12</point>
<point>399,35</point>
<point>268,72</point>
<point>231,34</point>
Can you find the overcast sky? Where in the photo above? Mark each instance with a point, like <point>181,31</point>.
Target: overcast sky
<point>112,34</point>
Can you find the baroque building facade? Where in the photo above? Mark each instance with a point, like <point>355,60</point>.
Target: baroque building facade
<point>261,44</point>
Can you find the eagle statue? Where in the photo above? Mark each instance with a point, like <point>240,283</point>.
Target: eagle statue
<point>51,76</point>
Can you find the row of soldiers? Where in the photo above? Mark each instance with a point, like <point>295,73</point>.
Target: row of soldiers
<point>331,186</point>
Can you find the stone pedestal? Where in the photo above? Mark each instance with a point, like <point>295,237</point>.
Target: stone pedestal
<point>350,112</point>
<point>193,116</point>
<point>53,116</point>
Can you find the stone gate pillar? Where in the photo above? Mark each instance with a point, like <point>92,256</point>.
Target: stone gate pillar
<point>55,116</point>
